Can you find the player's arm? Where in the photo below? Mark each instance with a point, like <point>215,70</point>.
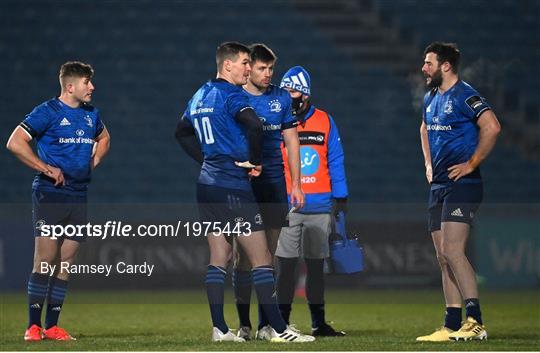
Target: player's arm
<point>19,145</point>
<point>101,147</point>
<point>254,131</point>
<point>425,150</point>
<point>336,169</point>
<point>489,129</point>
<point>292,144</point>
<point>187,138</point>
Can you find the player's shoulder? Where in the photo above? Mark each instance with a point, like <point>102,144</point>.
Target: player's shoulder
<point>233,92</point>
<point>48,109</point>
<point>275,90</point>
<point>464,90</point>
<point>224,86</point>
<point>432,92</point>
<point>279,92</point>
<point>89,108</point>
<point>52,105</point>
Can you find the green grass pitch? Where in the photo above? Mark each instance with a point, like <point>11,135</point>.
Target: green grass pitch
<point>375,320</point>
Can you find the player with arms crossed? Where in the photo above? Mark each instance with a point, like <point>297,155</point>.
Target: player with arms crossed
<point>71,141</point>
<point>458,131</point>
<point>273,106</point>
<point>220,130</point>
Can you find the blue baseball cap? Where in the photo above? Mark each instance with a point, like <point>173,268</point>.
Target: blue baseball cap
<point>297,78</point>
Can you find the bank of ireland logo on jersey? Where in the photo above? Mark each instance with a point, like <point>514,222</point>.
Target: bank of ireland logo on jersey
<point>275,106</point>
<point>79,132</point>
<point>309,160</point>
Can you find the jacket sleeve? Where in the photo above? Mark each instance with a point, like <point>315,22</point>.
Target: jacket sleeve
<point>336,162</point>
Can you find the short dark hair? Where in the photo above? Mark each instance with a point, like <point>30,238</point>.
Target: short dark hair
<point>229,51</point>
<point>446,52</point>
<point>75,69</point>
<point>261,52</point>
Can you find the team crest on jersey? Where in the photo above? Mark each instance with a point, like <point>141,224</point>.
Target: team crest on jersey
<point>448,108</point>
<point>89,121</point>
<point>275,106</point>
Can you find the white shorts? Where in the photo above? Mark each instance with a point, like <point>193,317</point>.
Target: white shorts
<point>307,236</point>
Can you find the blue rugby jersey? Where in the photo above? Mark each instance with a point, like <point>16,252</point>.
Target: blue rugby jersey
<point>64,139</point>
<point>274,109</point>
<point>451,121</point>
<point>212,112</point>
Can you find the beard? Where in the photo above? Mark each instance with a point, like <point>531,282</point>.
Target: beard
<point>261,86</point>
<point>435,79</point>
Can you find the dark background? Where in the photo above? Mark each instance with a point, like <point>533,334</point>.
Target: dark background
<point>364,58</point>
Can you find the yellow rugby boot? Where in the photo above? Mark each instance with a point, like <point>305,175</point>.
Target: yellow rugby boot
<point>440,335</point>
<point>470,330</point>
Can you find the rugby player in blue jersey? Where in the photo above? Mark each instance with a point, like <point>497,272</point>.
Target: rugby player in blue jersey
<point>273,107</point>
<point>71,141</point>
<point>458,131</point>
<point>220,129</point>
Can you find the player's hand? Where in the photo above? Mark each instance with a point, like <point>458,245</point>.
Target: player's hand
<point>298,199</point>
<point>94,162</point>
<point>254,170</point>
<point>429,174</point>
<point>459,171</point>
<point>56,174</point>
<point>246,164</point>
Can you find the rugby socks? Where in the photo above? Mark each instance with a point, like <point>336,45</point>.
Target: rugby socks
<point>37,292</point>
<point>242,293</point>
<point>315,290</point>
<point>452,318</point>
<point>55,300</point>
<point>263,320</point>
<point>215,289</point>
<point>263,280</point>
<point>286,284</point>
<point>472,309</point>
